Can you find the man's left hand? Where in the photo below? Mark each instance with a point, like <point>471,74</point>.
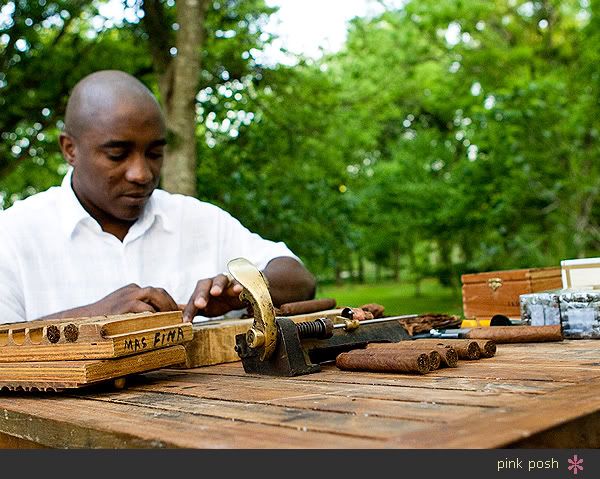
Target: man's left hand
<point>213,297</point>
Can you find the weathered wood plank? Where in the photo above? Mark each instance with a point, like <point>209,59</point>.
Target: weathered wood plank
<point>13,442</point>
<point>109,347</point>
<point>525,420</point>
<point>73,374</point>
<point>583,432</point>
<point>302,419</point>
<point>221,406</point>
<point>534,372</point>
<point>332,402</point>
<point>266,389</point>
<point>213,342</point>
<point>92,338</point>
<point>66,422</point>
<point>499,367</point>
<point>330,374</point>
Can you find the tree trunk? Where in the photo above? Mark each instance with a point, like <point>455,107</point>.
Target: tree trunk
<point>178,83</point>
<point>418,292</point>
<point>413,266</point>
<point>361,269</point>
<point>396,264</point>
<point>338,275</point>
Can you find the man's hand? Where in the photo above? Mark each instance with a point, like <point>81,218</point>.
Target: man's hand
<point>128,299</point>
<point>213,297</point>
<point>133,299</point>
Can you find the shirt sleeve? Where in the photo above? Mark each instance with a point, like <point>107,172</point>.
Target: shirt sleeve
<point>237,241</point>
<point>12,304</point>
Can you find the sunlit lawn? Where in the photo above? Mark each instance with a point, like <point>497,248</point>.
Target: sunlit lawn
<point>398,298</point>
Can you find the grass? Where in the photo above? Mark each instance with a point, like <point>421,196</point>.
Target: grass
<point>398,298</point>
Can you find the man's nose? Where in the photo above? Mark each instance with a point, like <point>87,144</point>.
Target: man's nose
<point>138,170</point>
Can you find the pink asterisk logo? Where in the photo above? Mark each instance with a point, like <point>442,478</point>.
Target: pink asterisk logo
<point>575,464</point>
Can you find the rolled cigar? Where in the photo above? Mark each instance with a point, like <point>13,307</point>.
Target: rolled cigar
<point>487,347</point>
<point>465,348</point>
<point>469,350</point>
<point>53,333</point>
<point>435,358</point>
<point>309,306</point>
<point>71,332</point>
<point>517,334</point>
<point>384,360</point>
<point>449,356</point>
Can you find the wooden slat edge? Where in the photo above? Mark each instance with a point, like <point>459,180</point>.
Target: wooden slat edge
<point>503,429</point>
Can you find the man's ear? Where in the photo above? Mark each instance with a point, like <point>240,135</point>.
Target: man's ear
<point>68,148</point>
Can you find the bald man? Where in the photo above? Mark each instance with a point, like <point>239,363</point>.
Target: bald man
<point>108,241</point>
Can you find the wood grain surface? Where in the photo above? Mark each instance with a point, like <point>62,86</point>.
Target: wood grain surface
<point>99,337</point>
<point>527,395</point>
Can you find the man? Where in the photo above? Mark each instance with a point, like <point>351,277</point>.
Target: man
<point>107,241</point>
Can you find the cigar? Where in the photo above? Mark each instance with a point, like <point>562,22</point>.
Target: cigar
<point>465,348</point>
<point>309,306</point>
<point>449,356</point>
<point>517,334</point>
<point>487,347</point>
<point>435,358</point>
<point>384,360</point>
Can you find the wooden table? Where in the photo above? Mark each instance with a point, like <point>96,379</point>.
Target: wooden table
<point>528,395</point>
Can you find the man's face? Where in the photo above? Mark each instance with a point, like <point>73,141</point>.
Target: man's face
<point>117,162</point>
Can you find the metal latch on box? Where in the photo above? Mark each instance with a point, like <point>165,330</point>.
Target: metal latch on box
<point>495,283</point>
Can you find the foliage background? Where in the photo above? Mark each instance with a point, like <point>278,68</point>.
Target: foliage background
<point>445,137</point>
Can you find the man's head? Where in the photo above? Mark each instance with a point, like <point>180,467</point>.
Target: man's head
<point>114,138</point>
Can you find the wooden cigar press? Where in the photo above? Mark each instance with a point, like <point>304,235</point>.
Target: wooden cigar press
<point>278,346</point>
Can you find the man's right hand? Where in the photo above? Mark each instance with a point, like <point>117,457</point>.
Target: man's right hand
<point>128,299</point>
<point>134,299</point>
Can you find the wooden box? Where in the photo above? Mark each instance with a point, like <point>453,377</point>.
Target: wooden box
<point>581,273</point>
<point>497,292</point>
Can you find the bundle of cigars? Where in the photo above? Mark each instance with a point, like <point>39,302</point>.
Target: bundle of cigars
<point>419,356</point>
<point>428,354</point>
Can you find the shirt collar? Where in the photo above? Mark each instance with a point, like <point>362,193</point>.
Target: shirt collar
<point>73,214</point>
<point>154,211</point>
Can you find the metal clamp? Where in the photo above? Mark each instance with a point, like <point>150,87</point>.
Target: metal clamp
<point>263,334</point>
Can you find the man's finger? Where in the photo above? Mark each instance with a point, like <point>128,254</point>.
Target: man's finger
<point>189,311</point>
<point>142,307</point>
<point>234,289</point>
<point>198,299</point>
<point>158,298</point>
<point>219,284</point>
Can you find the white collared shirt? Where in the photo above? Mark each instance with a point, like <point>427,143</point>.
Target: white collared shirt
<point>54,256</point>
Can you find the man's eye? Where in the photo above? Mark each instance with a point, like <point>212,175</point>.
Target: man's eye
<point>117,156</point>
<point>155,155</point>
